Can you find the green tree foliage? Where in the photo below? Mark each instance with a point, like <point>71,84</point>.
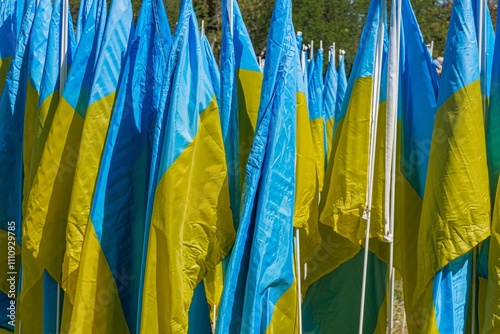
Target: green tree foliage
<point>339,21</point>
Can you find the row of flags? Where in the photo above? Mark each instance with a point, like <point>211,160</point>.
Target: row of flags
<point>154,191</point>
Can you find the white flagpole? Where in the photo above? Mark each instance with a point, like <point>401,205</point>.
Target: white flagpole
<point>481,9</point>
<point>371,159</point>
<point>299,278</point>
<point>296,230</point>
<point>311,51</point>
<point>63,74</point>
<point>390,150</point>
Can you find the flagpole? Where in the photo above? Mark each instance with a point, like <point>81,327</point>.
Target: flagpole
<point>390,150</point>
<point>311,51</point>
<point>299,278</point>
<point>63,74</point>
<point>481,9</point>
<point>371,157</point>
<point>231,18</point>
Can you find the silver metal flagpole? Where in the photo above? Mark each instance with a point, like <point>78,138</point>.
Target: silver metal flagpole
<point>390,150</point>
<point>481,9</point>
<point>299,278</point>
<point>63,74</point>
<point>297,233</point>
<point>371,159</point>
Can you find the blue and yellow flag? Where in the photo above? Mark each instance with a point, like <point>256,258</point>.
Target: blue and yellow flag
<point>241,87</point>
<point>330,102</point>
<point>456,204</point>
<point>214,281</point>
<point>335,271</point>
<point>12,104</point>
<point>43,86</point>
<point>11,16</point>
<point>306,190</point>
<point>417,107</point>
<point>315,103</point>
<point>41,104</point>
<point>260,289</point>
<point>492,308</point>
<point>118,210</point>
<point>44,225</point>
<point>345,197</point>
<point>341,89</point>
<point>493,157</point>
<point>189,227</point>
<point>102,97</point>
<point>37,50</point>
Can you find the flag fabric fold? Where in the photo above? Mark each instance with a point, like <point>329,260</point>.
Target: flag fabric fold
<point>115,232</point>
<point>260,288</point>
<point>330,102</point>
<point>241,83</point>
<point>456,204</point>
<point>418,90</point>
<point>189,227</point>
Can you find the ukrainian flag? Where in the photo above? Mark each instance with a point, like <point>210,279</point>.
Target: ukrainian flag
<point>110,261</point>
<point>315,103</point>
<point>345,196</point>
<point>12,104</point>
<point>306,191</point>
<point>330,103</point>
<point>417,107</point>
<point>456,206</point>
<point>43,87</point>
<point>11,15</point>
<point>492,309</point>
<point>241,88</point>
<point>493,157</point>
<point>260,290</point>
<point>341,89</point>
<point>213,282</point>
<point>102,97</point>
<point>491,323</point>
<point>43,96</point>
<point>335,271</point>
<point>44,224</point>
<point>190,227</point>
<point>37,50</point>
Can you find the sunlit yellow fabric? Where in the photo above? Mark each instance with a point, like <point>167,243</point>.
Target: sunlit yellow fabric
<point>214,283</point>
<point>96,299</point>
<point>285,316</point>
<point>37,123</point>
<point>333,249</point>
<point>191,228</point>
<point>44,227</point>
<point>329,127</point>
<point>30,115</point>
<point>91,147</point>
<point>455,213</point>
<point>492,305</point>
<point>249,87</point>
<point>318,135</point>
<point>345,197</point>
<point>306,178</point>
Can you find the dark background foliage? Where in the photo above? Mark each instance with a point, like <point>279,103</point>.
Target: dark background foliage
<point>339,21</point>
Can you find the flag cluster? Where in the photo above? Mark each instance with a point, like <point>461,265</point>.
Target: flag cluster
<point>150,190</point>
